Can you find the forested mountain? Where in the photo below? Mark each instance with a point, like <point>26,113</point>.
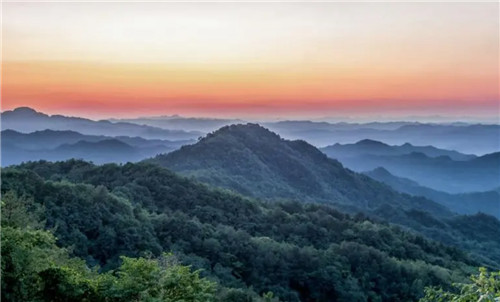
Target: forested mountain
<point>25,119</point>
<point>440,173</point>
<point>301,252</point>
<point>466,203</point>
<point>256,162</point>
<point>299,247</point>
<point>60,145</point>
<point>372,147</point>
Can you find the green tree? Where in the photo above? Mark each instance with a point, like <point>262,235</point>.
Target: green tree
<point>156,280</point>
<point>34,268</point>
<point>484,287</point>
<point>21,211</point>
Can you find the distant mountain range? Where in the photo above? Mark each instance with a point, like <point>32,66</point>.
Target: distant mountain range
<point>466,203</point>
<point>256,162</point>
<point>466,138</point>
<point>372,147</point>
<point>476,139</point>
<point>54,145</point>
<point>27,120</point>
<point>176,122</point>
<point>438,169</point>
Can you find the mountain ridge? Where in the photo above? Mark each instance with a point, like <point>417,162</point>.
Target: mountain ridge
<point>25,119</point>
<point>256,162</point>
<point>438,169</point>
<point>357,149</point>
<point>48,144</point>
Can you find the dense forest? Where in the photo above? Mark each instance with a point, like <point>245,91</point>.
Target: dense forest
<point>34,268</point>
<point>245,247</point>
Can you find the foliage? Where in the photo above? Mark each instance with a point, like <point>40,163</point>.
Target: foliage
<point>33,268</point>
<point>484,287</point>
<point>20,211</point>
<point>156,280</point>
<point>299,252</point>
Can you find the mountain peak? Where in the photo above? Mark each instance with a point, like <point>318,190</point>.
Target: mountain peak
<point>103,144</point>
<point>25,110</point>
<point>256,162</point>
<point>381,171</point>
<point>370,142</point>
<point>242,130</point>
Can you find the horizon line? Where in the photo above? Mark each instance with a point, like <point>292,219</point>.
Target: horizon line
<point>342,118</point>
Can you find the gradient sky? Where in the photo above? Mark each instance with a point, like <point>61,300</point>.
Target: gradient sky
<point>251,59</point>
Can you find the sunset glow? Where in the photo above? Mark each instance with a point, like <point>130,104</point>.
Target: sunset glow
<point>239,59</point>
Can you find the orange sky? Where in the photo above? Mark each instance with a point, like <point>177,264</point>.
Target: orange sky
<point>260,59</point>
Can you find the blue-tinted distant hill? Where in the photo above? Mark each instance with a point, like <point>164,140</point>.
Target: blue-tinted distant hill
<point>439,169</point>
<point>105,151</point>
<point>465,138</point>
<point>372,147</point>
<point>52,138</point>
<point>60,145</point>
<point>176,122</point>
<point>467,203</point>
<point>27,120</point>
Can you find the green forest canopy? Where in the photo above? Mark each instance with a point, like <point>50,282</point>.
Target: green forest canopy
<point>300,252</point>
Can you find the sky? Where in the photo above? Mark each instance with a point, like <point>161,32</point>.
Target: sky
<point>234,59</point>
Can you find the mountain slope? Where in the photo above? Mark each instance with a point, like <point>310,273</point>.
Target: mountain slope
<point>25,119</point>
<point>467,203</point>
<point>256,162</point>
